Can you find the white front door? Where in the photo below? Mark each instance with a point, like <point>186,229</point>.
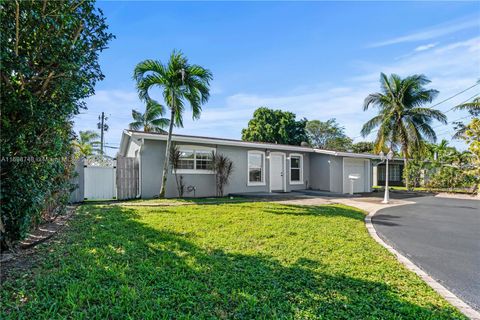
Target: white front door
<point>277,172</point>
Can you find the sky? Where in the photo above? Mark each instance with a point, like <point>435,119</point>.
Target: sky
<point>318,60</point>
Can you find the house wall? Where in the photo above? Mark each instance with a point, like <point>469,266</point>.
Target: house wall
<point>320,171</point>
<point>336,174</point>
<point>153,155</point>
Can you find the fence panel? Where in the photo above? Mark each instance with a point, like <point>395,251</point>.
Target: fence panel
<point>127,178</point>
<point>77,194</point>
<point>99,183</point>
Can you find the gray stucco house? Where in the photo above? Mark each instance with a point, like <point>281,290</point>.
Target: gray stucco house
<point>258,167</point>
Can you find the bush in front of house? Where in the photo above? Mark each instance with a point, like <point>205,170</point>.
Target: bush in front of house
<point>49,64</point>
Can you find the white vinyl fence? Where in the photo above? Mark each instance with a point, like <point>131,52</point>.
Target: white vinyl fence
<point>100,183</point>
<point>99,178</point>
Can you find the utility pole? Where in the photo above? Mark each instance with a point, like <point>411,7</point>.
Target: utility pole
<point>103,127</point>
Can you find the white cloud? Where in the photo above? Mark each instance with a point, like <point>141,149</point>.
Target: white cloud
<point>451,67</point>
<point>432,33</point>
<point>425,47</point>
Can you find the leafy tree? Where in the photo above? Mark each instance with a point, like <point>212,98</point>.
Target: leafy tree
<point>151,120</point>
<point>180,82</point>
<point>49,52</point>
<point>328,135</point>
<point>472,137</point>
<point>87,143</point>
<point>403,124</point>
<point>364,147</point>
<point>275,126</point>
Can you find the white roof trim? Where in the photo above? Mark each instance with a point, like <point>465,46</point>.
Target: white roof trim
<point>206,140</point>
<point>237,143</point>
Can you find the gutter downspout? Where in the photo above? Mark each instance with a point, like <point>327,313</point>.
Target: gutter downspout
<point>139,195</point>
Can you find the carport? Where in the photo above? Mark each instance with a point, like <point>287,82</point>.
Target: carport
<point>330,171</point>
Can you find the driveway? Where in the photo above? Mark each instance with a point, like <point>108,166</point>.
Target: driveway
<point>441,236</point>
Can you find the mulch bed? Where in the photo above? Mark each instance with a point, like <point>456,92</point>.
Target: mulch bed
<point>23,257</point>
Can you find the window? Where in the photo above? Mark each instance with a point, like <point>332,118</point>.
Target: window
<point>256,165</point>
<point>394,172</point>
<point>203,160</point>
<point>187,160</point>
<point>296,169</point>
<point>195,159</point>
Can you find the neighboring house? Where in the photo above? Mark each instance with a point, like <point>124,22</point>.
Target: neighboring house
<point>258,167</point>
<point>395,173</point>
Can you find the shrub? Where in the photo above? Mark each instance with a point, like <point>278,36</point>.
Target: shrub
<point>49,64</point>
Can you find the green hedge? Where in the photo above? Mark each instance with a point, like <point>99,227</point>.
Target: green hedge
<point>49,64</point>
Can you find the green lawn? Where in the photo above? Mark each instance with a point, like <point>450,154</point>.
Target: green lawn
<point>242,260</point>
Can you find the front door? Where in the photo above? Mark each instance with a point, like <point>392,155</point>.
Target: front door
<point>277,172</point>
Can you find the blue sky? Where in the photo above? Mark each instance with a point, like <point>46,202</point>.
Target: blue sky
<point>316,59</point>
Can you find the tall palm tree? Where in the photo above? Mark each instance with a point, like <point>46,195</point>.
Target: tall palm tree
<point>181,82</point>
<point>151,120</point>
<point>403,124</point>
<point>87,143</point>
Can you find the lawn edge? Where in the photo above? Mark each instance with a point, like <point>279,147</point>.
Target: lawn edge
<point>458,303</point>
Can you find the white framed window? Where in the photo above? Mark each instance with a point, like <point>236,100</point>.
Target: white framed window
<point>195,159</point>
<point>296,168</point>
<point>394,172</point>
<point>256,168</point>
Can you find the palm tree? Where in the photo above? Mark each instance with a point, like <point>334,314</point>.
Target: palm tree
<point>87,143</point>
<point>402,122</point>
<point>180,82</point>
<point>473,107</point>
<point>151,120</point>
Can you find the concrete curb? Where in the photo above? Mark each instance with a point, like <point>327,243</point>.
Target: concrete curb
<point>440,289</point>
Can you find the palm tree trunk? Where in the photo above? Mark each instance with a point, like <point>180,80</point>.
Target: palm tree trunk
<point>167,156</point>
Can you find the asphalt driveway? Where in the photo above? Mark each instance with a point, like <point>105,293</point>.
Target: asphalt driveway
<point>441,236</point>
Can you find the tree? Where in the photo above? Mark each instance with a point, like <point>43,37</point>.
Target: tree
<point>403,124</point>
<point>151,120</point>
<point>175,158</point>
<point>223,168</point>
<point>472,137</point>
<point>328,135</point>
<point>473,108</point>
<point>87,143</point>
<point>275,126</point>
<point>49,53</point>
<point>364,147</point>
<point>180,82</point>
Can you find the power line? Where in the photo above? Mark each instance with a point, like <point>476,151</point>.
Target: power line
<point>443,101</point>
<point>457,94</point>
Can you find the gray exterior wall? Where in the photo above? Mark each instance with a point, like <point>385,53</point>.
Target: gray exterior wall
<point>320,171</point>
<point>336,174</point>
<point>153,155</point>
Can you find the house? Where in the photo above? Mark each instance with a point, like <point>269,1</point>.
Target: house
<point>258,167</point>
<point>395,173</point>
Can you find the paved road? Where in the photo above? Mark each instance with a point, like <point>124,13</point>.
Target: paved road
<point>441,236</point>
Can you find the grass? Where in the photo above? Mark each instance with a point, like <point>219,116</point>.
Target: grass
<point>180,201</point>
<point>240,261</point>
